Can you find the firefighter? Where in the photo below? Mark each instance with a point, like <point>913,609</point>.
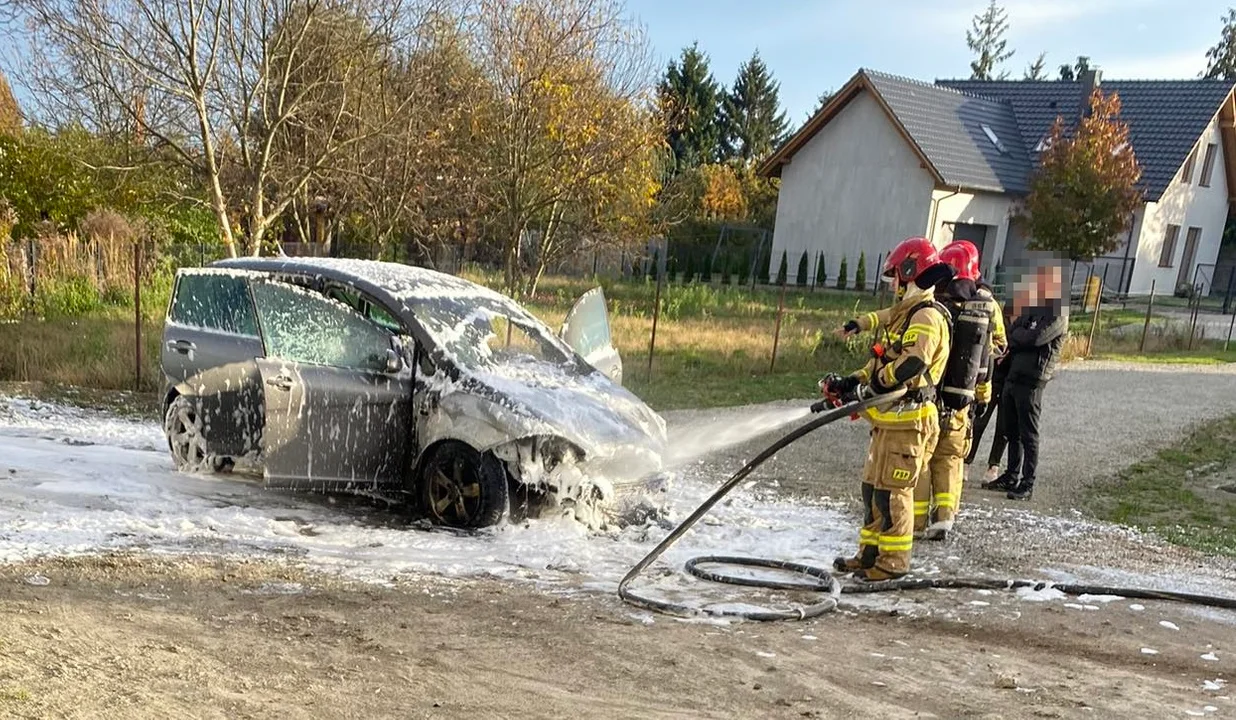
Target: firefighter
<point>903,434</point>
<point>978,334</point>
<point>987,392</point>
<point>963,385</point>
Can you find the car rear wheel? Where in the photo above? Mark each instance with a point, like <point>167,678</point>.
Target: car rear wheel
<point>461,487</point>
<point>186,438</point>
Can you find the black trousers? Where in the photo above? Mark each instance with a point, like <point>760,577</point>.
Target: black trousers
<point>1021,406</point>
<point>998,443</point>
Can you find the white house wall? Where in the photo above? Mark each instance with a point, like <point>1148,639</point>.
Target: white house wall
<point>857,186</point>
<point>1187,206</point>
<point>974,209</point>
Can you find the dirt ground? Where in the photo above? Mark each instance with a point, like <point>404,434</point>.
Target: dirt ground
<point>132,637</point>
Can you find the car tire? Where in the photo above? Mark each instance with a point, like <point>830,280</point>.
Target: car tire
<point>186,438</point>
<point>461,487</point>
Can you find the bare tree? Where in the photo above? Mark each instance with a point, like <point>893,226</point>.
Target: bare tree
<point>257,97</point>
<point>573,126</point>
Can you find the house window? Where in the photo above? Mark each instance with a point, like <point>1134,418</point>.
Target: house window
<point>991,135</point>
<point>1208,165</point>
<point>1168,255</point>
<point>1186,176</point>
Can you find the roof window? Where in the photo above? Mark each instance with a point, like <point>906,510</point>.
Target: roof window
<point>991,135</point>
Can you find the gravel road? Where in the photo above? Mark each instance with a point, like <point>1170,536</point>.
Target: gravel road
<point>1098,417</point>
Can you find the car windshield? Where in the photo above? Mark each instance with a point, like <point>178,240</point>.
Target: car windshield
<point>487,331</point>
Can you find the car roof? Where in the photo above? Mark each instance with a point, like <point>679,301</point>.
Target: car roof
<point>392,284</point>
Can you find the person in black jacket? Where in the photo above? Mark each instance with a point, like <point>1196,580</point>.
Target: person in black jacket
<point>1035,337</point>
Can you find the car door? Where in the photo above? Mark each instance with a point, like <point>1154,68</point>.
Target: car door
<point>586,330</point>
<point>337,392</point>
<point>210,344</point>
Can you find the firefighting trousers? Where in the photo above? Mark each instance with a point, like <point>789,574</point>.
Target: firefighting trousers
<point>937,495</point>
<point>896,459</point>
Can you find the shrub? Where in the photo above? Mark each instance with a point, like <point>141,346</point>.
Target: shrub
<point>783,269</point>
<point>821,275</point>
<point>860,272</point>
<point>802,269</point>
<point>841,274</point>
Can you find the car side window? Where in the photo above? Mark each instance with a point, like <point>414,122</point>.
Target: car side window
<point>214,301</point>
<point>304,326</point>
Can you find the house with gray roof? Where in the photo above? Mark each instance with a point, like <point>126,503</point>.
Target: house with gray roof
<point>889,157</point>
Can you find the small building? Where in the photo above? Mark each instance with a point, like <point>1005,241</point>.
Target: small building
<point>889,157</point>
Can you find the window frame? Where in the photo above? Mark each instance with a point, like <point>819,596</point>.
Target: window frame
<point>286,282</point>
<point>1208,165</point>
<point>244,278</point>
<point>1168,250</point>
<point>1186,175</point>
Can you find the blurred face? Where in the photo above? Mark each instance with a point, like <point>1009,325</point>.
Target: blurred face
<point>1025,295</point>
<point>1050,283</point>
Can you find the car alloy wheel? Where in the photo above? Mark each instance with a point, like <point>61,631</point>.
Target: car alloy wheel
<point>462,487</point>
<point>185,436</point>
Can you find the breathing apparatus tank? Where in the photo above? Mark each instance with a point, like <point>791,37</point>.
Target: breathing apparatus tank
<point>970,351</point>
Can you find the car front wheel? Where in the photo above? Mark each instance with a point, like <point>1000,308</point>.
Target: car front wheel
<point>186,438</point>
<point>461,487</point>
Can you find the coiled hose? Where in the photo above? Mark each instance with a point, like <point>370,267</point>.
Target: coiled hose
<point>822,580</point>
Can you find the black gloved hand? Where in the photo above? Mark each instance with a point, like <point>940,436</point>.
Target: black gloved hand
<point>980,409</point>
<point>851,327</point>
<point>842,385</point>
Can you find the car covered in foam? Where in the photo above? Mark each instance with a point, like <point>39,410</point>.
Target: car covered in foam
<point>389,379</point>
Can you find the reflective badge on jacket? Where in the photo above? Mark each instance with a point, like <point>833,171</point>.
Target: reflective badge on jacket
<point>901,474</point>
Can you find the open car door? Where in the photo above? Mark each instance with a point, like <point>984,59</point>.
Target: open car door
<point>586,330</point>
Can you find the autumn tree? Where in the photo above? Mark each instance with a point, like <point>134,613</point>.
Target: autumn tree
<point>1221,59</point>
<point>985,38</point>
<point>752,121</point>
<point>1037,70</point>
<point>689,98</point>
<point>1083,195</point>
<point>10,113</point>
<point>572,138</point>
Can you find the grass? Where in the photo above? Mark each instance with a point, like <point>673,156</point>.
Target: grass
<point>713,347</point>
<point>1177,494</point>
<point>714,343</point>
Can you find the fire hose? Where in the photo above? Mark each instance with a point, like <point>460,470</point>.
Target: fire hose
<point>817,579</point>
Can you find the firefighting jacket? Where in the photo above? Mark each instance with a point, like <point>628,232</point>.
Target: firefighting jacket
<point>915,347</point>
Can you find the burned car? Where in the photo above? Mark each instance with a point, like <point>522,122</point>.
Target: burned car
<point>388,379</point>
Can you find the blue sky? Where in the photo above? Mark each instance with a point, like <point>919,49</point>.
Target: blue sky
<point>816,45</point>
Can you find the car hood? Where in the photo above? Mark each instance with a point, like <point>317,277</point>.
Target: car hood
<point>588,409</point>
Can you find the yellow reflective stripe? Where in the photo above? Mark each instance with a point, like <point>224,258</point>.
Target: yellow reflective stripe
<point>862,375</point>
<point>922,504</point>
<point>945,500</point>
<point>888,375</point>
<point>923,328</point>
<point>867,537</point>
<point>896,544</point>
<point>901,414</point>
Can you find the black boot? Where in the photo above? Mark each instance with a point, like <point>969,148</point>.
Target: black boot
<point>1023,491</point>
<point>1004,483</point>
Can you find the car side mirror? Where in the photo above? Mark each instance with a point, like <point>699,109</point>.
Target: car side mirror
<point>394,362</point>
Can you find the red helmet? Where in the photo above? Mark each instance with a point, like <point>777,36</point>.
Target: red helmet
<point>910,258</point>
<point>964,257</point>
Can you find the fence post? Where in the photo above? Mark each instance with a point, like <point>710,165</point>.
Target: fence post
<point>777,331</point>
<point>33,261</point>
<point>137,315</point>
<point>1227,296</point>
<point>1231,325</point>
<point>877,286</point>
<point>656,315</point>
<point>1195,305</point>
<point>1149,307</point>
<point>1094,321</point>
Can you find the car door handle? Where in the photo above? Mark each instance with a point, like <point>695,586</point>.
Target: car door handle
<point>283,382</point>
<point>184,347</point>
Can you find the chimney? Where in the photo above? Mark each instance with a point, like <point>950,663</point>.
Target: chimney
<point>1089,80</point>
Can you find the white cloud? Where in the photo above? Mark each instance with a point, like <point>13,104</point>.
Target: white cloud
<point>1178,65</point>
